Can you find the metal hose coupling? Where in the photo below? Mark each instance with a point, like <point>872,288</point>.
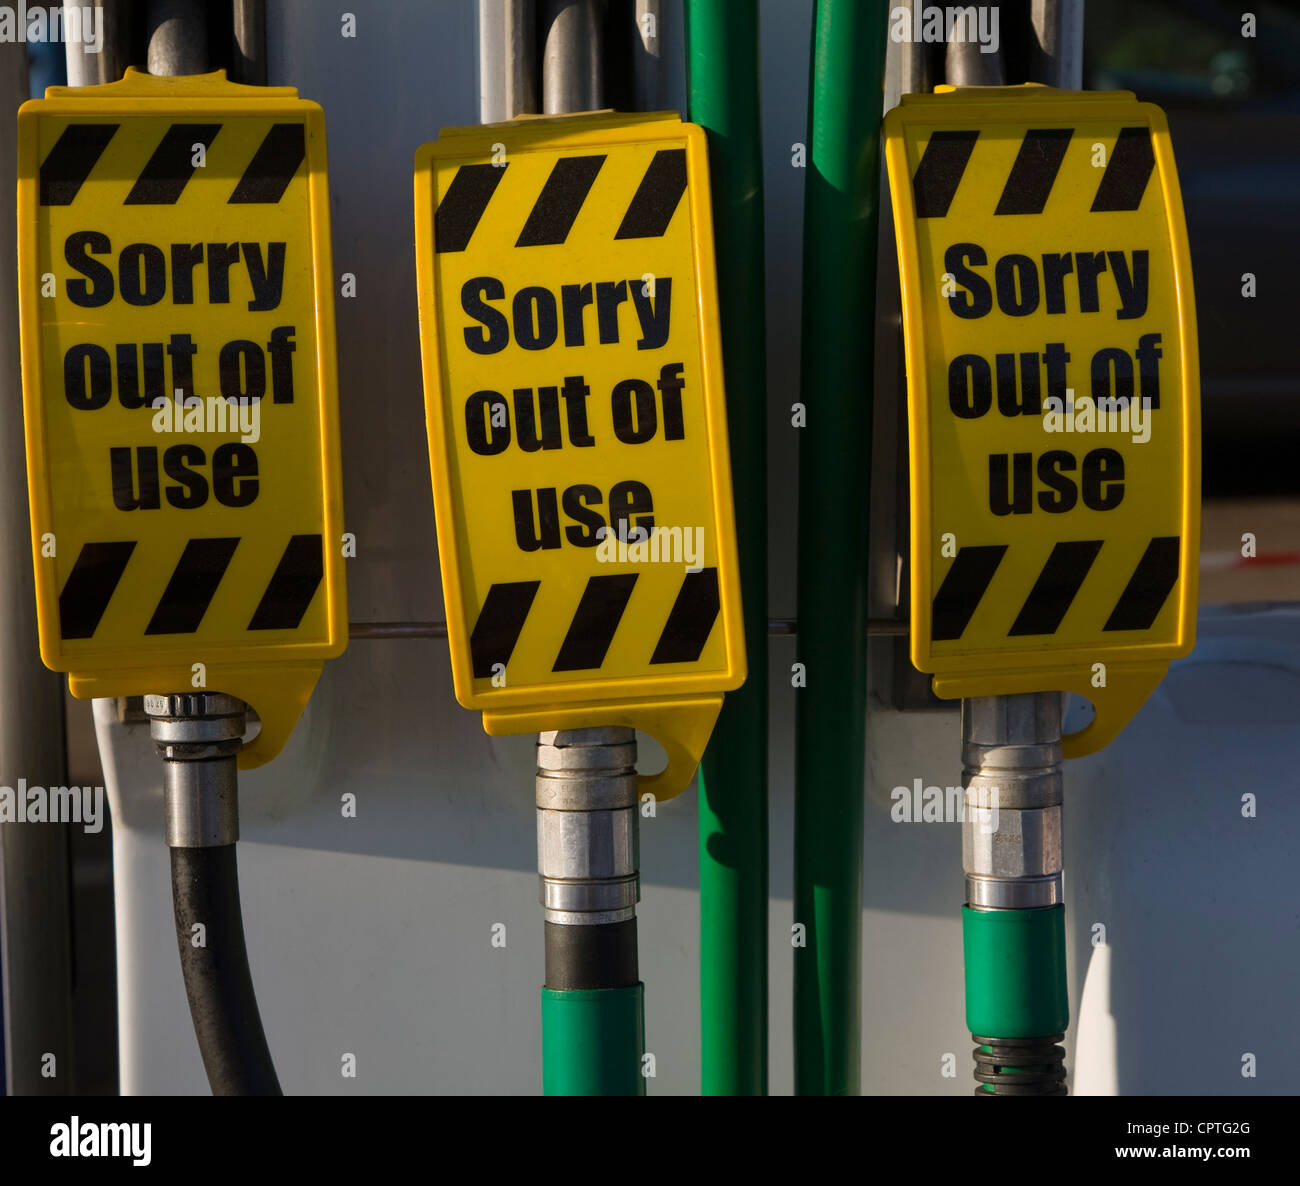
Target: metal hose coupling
<point>587,835</point>
<point>1013,930</point>
<point>198,736</point>
<point>1011,828</point>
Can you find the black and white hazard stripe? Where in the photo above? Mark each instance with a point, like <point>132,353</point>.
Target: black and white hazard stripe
<point>1034,172</point>
<point>598,615</point>
<point>567,188</point>
<point>971,572</point>
<point>193,584</point>
<point>72,160</point>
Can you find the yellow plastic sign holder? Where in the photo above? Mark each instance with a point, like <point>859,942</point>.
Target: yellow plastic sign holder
<point>173,241</point>
<point>1045,269</point>
<point>573,381</point>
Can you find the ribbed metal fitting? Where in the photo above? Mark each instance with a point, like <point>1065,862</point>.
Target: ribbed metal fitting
<point>196,725</point>
<point>587,825</point>
<point>1011,830</point>
<point>1011,748</point>
<point>198,735</point>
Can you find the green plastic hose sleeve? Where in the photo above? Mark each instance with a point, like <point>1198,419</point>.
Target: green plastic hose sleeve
<point>842,190</point>
<point>722,61</point>
<point>593,1041</point>
<point>1015,972</point>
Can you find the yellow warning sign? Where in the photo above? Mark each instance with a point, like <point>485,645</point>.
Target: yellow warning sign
<point>577,432</point>
<point>1053,394</point>
<point>180,392</point>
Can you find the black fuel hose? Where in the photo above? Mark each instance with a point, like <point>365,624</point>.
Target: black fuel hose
<point>599,956</point>
<point>214,963</point>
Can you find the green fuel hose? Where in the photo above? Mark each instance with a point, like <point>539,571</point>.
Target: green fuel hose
<point>722,57</point>
<point>839,287</point>
<point>1015,972</point>
<point>1017,1005</point>
<point>592,1041</point>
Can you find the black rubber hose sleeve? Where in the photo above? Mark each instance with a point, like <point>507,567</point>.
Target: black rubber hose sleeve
<point>223,1006</point>
<point>599,956</point>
